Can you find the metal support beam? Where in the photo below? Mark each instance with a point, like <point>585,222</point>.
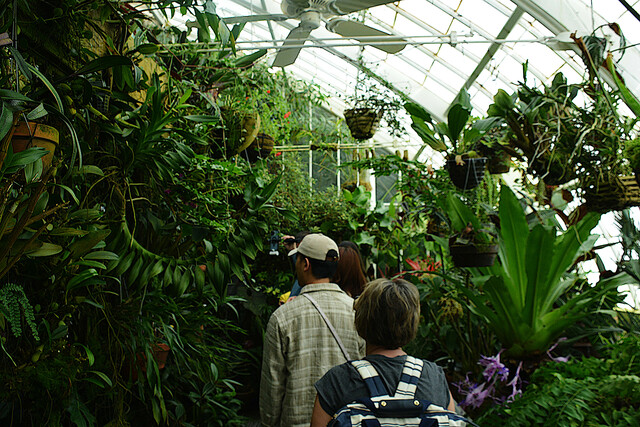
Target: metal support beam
<point>504,32</point>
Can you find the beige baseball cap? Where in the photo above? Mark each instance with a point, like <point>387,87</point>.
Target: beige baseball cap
<point>316,246</point>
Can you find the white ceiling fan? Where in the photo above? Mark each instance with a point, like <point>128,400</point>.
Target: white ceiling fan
<point>311,14</point>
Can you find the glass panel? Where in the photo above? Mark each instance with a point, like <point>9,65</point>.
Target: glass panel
<point>492,21</point>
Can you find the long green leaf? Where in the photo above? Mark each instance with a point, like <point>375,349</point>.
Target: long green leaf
<point>513,237</point>
<point>627,96</point>
<point>457,118</point>
<point>569,246</point>
<point>540,247</point>
<point>460,214</point>
<point>49,86</point>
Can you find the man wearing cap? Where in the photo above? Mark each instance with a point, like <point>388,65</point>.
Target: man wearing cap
<point>299,347</point>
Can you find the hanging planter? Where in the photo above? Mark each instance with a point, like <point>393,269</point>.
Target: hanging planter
<point>473,255</point>
<point>236,132</point>
<point>499,163</point>
<point>363,122</point>
<point>31,134</point>
<point>613,194</point>
<point>260,148</point>
<point>466,173</point>
<point>249,130</point>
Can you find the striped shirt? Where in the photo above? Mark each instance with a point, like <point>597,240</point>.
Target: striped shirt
<point>299,349</point>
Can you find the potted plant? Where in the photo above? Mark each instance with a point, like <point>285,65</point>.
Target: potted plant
<point>606,178</point>
<point>632,153</point>
<point>498,155</point>
<point>530,297</point>
<point>260,148</point>
<point>473,242</point>
<point>372,104</point>
<point>455,138</point>
<point>542,127</point>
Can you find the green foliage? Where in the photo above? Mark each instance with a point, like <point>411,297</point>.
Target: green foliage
<point>466,227</point>
<point>325,211</point>
<point>528,299</point>
<point>448,332</point>
<point>415,214</point>
<point>374,93</point>
<point>632,153</point>
<point>449,136</point>
<point>559,137</point>
<point>14,304</point>
<point>587,392</point>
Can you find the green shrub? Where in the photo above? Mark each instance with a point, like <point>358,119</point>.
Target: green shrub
<point>588,392</point>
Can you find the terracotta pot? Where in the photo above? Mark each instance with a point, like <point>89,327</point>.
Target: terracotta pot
<point>31,134</point>
<point>160,353</point>
<point>473,256</point>
<point>467,175</point>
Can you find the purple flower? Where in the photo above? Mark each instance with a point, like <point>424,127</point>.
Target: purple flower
<point>560,358</point>
<point>493,367</point>
<point>474,393</point>
<point>476,396</point>
<point>167,191</point>
<point>515,384</point>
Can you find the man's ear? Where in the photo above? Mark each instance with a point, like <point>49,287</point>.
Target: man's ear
<point>307,264</point>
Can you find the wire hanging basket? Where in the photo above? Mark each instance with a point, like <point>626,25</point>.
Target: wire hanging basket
<point>363,122</point>
<point>467,175</point>
<point>613,194</point>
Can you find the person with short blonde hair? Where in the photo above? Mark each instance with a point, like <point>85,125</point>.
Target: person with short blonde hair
<point>387,317</point>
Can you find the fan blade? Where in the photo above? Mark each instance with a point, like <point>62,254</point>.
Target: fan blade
<point>253,18</point>
<point>357,30</point>
<point>287,56</point>
<point>342,7</point>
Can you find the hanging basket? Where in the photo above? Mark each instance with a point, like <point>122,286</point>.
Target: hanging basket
<point>260,148</point>
<point>467,175</point>
<point>363,122</point>
<point>617,193</point>
<point>472,255</point>
<point>499,163</point>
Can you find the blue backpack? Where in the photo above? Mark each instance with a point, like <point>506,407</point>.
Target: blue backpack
<point>402,409</point>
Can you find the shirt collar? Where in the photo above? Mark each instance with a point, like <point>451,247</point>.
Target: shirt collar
<point>314,287</point>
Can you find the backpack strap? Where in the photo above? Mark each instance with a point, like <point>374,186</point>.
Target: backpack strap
<point>331,328</point>
<point>409,379</point>
<point>370,377</point>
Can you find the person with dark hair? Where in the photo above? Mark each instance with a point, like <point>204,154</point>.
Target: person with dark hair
<point>299,344</point>
<point>350,274</point>
<point>387,317</point>
<point>290,243</point>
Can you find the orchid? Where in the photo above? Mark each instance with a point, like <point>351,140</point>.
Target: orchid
<point>559,358</point>
<point>495,374</point>
<point>493,366</point>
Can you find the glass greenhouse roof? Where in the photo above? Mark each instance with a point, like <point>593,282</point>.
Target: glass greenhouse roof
<point>479,45</point>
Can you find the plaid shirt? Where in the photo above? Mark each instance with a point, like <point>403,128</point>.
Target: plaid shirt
<point>299,349</point>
